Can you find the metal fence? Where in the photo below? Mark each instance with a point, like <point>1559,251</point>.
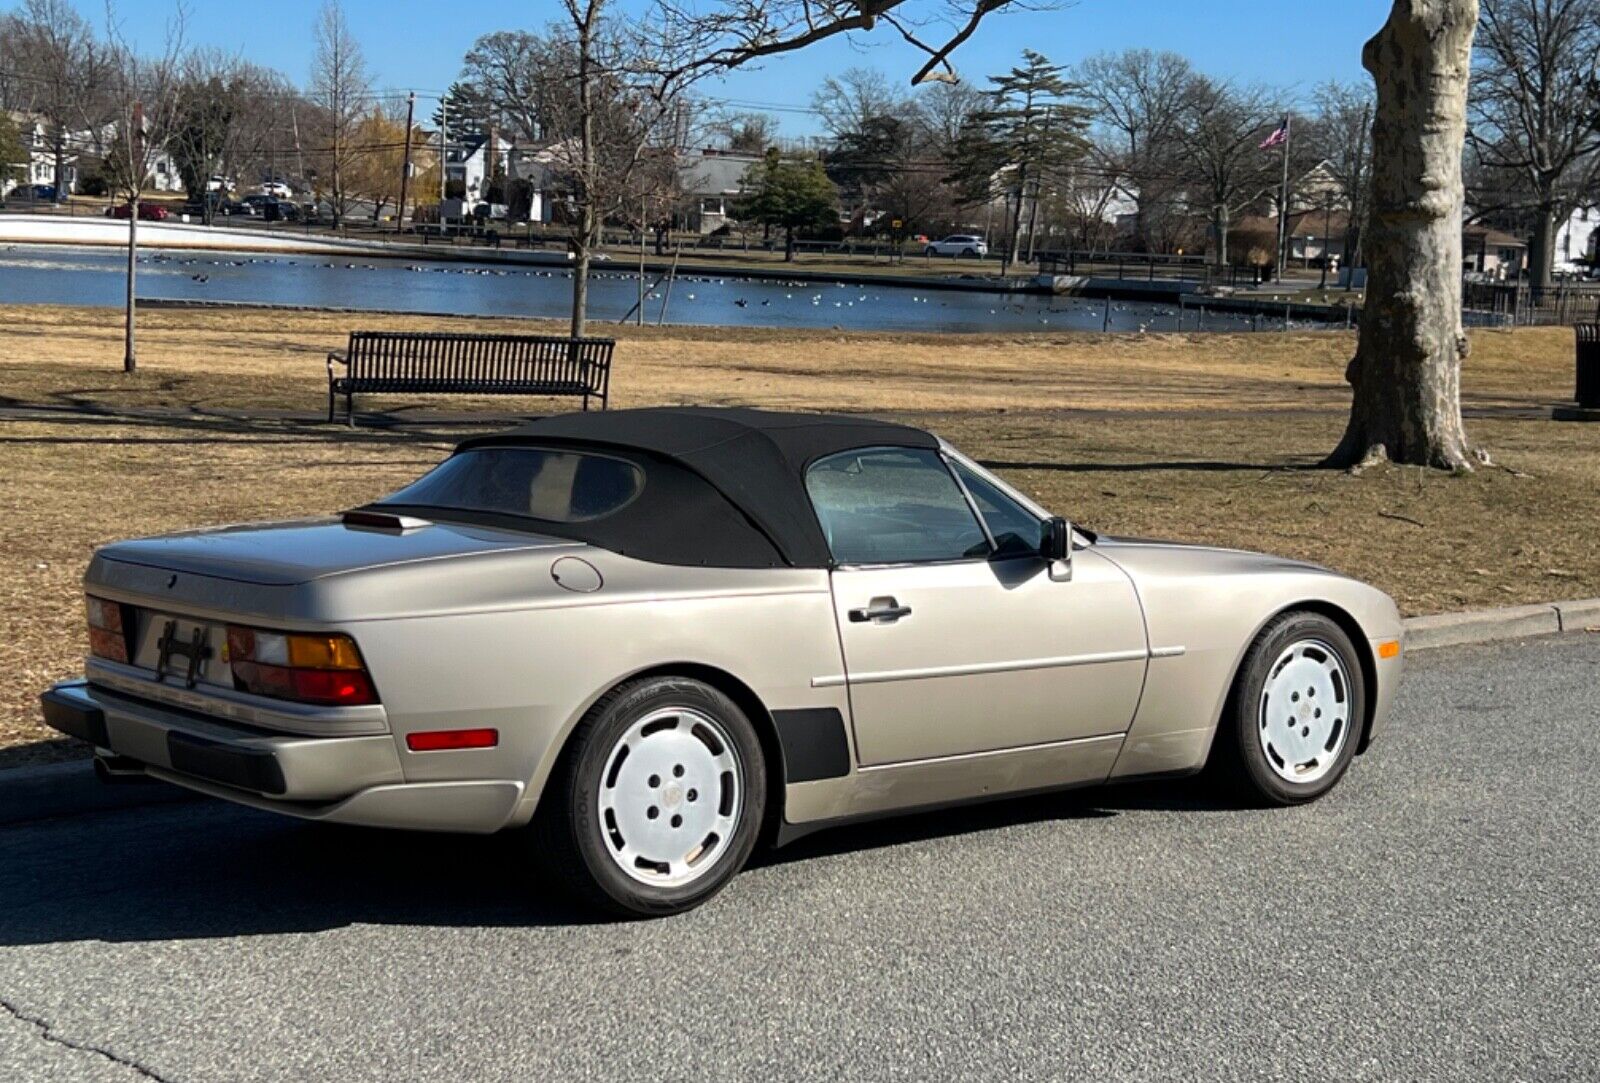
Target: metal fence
<point>1148,267</point>
<point>1516,304</point>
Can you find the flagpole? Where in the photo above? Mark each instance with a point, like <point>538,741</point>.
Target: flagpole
<point>1283,200</point>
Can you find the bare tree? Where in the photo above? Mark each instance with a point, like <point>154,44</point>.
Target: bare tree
<point>746,133</point>
<point>64,68</point>
<point>613,112</point>
<point>341,89</point>
<point>1221,131</point>
<point>1406,373</point>
<point>146,95</point>
<point>1139,99</point>
<point>853,100</point>
<point>1536,113</point>
<point>1342,136</point>
<point>730,33</point>
<point>509,72</point>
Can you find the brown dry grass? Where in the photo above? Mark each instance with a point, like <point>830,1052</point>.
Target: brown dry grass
<point>1193,437</point>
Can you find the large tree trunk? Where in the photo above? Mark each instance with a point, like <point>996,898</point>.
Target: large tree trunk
<point>1406,373</point>
<point>1542,247</point>
<point>1219,226</point>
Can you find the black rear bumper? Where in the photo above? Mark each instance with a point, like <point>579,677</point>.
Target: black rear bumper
<point>211,761</point>
<point>74,717</point>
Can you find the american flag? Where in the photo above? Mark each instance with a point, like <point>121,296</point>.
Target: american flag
<point>1278,138</point>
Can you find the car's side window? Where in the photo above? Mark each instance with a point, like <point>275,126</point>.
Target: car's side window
<point>1015,528</point>
<point>893,506</point>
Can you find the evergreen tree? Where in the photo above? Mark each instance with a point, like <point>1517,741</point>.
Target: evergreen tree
<point>789,194</point>
<point>1031,132</point>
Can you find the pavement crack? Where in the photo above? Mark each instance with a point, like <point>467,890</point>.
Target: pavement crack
<point>47,1032</point>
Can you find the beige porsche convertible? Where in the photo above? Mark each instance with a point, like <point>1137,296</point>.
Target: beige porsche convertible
<point>654,638</point>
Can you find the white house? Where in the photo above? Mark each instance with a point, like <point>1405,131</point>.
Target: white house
<point>40,166</point>
<point>472,162</point>
<point>1578,238</point>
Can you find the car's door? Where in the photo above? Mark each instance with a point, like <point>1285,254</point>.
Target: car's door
<point>958,638</point>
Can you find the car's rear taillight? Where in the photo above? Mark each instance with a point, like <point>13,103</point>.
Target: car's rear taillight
<point>108,635</point>
<point>321,669</point>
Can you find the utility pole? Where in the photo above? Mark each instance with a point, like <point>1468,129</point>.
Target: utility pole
<point>405,170</point>
<point>130,360</point>
<point>299,155</point>
<point>444,146</point>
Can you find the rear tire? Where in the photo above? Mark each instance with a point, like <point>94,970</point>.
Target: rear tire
<point>657,801</point>
<point>1295,717</point>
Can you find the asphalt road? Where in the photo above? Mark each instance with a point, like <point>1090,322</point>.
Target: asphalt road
<point>1437,917</point>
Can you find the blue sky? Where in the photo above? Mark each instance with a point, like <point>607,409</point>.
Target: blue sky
<point>411,44</point>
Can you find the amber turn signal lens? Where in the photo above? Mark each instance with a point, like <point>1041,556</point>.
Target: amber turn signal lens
<point>323,652</point>
<point>1389,648</point>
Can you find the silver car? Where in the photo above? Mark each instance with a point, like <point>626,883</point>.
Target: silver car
<point>961,245</point>
<point>656,637</point>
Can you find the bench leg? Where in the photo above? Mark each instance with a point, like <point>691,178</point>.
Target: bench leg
<point>586,404</point>
<point>350,408</point>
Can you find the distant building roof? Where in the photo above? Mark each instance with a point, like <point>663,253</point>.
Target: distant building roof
<point>1483,235</point>
<point>714,172</point>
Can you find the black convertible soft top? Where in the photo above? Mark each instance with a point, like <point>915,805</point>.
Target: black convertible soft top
<point>724,486</point>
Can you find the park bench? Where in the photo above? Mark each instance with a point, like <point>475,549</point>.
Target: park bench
<point>386,362</point>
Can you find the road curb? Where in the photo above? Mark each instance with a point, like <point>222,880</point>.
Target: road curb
<point>71,789</point>
<point>1512,622</point>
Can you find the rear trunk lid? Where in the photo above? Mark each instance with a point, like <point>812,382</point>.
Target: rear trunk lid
<point>319,571</point>
<point>282,554</point>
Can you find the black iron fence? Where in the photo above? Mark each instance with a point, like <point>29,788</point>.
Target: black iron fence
<point>1517,304</point>
<point>1148,267</point>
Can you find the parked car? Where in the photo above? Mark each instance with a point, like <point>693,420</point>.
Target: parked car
<point>658,635</point>
<point>148,212</point>
<point>960,244</point>
<point>277,190</point>
<point>221,206</point>
<point>38,193</point>
<point>279,210</point>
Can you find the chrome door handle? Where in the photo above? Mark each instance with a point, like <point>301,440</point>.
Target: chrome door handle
<point>880,611</point>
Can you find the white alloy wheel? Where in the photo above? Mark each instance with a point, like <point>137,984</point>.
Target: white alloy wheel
<point>1304,719</point>
<point>671,797</point>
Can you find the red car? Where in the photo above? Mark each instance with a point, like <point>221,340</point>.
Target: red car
<point>148,212</point>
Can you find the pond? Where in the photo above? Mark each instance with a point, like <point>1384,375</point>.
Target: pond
<point>94,276</point>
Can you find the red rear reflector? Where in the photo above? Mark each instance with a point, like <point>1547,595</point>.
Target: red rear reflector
<point>445,740</point>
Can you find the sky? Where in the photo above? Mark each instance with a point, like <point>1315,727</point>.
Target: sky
<point>418,44</point>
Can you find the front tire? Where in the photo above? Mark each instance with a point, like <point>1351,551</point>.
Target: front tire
<point>658,800</point>
<point>1296,715</point>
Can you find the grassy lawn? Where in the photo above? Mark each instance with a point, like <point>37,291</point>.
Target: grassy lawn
<point>1206,438</point>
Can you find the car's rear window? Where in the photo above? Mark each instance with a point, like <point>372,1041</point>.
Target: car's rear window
<point>538,483</point>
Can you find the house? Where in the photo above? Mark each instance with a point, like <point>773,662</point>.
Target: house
<point>474,164</point>
<point>1315,234</point>
<point>535,176</point>
<point>1578,238</point>
<point>40,166</point>
<point>711,181</point>
<point>1493,252</point>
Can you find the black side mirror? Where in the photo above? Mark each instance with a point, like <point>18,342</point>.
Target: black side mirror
<point>1056,542</point>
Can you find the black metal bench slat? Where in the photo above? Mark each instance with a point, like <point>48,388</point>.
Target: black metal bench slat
<point>465,364</point>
